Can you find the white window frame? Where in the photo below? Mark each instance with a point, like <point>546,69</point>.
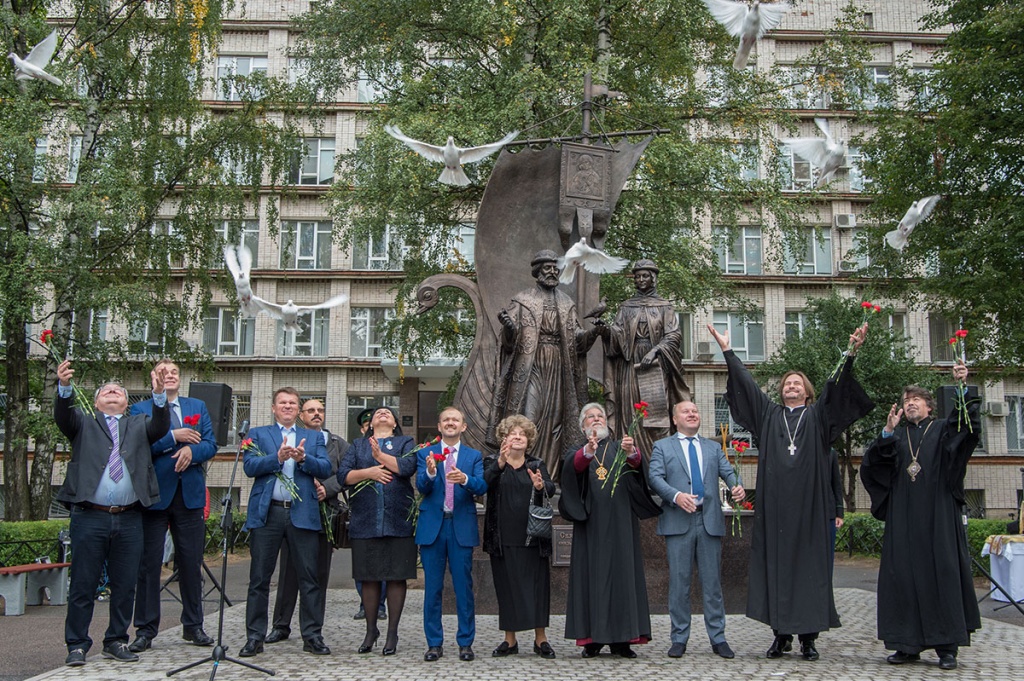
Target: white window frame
<point>40,165</point>
<point>306,244</point>
<point>232,66</point>
<point>816,255</point>
<point>797,322</point>
<point>876,75</point>
<point>228,333</point>
<point>796,91</point>
<point>367,91</point>
<point>745,336</point>
<point>859,181</point>
<point>75,143</point>
<point>364,331</point>
<point>248,235</point>
<point>746,155</point>
<point>96,321</point>
<point>312,340</point>
<point>140,331</point>
<point>1015,423</point>
<point>940,330</point>
<point>797,171</point>
<point>316,162</point>
<point>743,252</point>
<point>381,253</point>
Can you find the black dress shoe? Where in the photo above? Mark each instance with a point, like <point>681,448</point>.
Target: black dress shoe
<point>276,635</point>
<point>75,658</point>
<point>390,645</point>
<point>504,649</point>
<point>197,637</point>
<point>591,650</point>
<point>466,653</point>
<point>780,645</point>
<point>723,650</point>
<point>251,648</point>
<point>808,651</point>
<point>433,654</point>
<point>140,644</point>
<point>316,645</point>
<point>623,650</point>
<point>119,651</point>
<point>369,642</point>
<point>947,661</point>
<point>544,650</point>
<point>677,650</point>
<point>900,657</point>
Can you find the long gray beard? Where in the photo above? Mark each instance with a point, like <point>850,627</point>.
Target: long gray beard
<point>602,432</point>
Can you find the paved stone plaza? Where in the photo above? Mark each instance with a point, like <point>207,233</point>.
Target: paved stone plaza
<point>848,653</point>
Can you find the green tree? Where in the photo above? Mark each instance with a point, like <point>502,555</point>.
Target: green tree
<point>884,365</point>
<point>954,130</point>
<point>477,69</point>
<point>111,188</point>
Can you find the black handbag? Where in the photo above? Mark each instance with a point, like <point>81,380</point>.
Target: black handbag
<point>538,522</point>
<point>339,526</point>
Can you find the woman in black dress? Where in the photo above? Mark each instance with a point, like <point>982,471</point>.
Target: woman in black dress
<point>522,578</point>
<point>383,548</point>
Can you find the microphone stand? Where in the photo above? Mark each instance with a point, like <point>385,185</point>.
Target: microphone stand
<point>219,653</point>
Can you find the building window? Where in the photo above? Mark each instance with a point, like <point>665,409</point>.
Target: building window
<point>315,165</point>
<point>800,88</point>
<point>898,323</point>
<point>686,335</point>
<point>145,338</point>
<point>876,76</point>
<point>812,254</point>
<point>357,403</point>
<point>298,74</point>
<point>306,245</point>
<point>88,327</point>
<point>378,252</point>
<point>723,417</point>
<point>855,159</point>
<point>164,239</point>
<point>465,246</point>
<point>39,167</point>
<point>227,332</point>
<point>739,249</point>
<point>231,75</point>
<point>794,169</point>
<point>368,90</point>
<point>858,258</point>
<point>926,97</point>
<point>366,331</point>
<point>745,156</point>
<point>311,340</point>
<point>797,323</point>
<point>1014,423</point>
<point>74,158</point>
<point>746,336</point>
<point>940,330</point>
<point>240,411</point>
<point>241,233</point>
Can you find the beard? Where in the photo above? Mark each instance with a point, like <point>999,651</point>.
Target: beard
<point>602,432</point>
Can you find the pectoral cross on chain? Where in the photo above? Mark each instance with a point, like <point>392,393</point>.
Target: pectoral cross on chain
<point>792,449</point>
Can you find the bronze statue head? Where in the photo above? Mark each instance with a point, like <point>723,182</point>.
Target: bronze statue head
<point>545,268</point>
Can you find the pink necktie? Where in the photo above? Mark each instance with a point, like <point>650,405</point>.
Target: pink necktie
<point>449,488</point>
<point>116,471</point>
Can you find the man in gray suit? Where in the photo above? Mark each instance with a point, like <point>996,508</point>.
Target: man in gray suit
<point>684,472</point>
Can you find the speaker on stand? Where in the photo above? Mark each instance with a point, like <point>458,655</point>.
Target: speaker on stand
<point>217,397</point>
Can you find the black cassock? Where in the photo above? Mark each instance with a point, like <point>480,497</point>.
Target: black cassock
<point>790,585</point>
<point>925,589</point>
<point>607,594</point>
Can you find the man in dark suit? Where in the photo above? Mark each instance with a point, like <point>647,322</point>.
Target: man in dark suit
<point>328,490</point>
<point>447,531</point>
<point>285,461</point>
<point>178,459</point>
<point>684,472</point>
<point>109,480</point>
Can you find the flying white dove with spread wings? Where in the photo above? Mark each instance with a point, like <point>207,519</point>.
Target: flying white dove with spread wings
<point>591,259</point>
<point>450,155</point>
<point>746,22</point>
<point>916,214</point>
<point>32,67</point>
<point>289,313</point>
<point>240,264</point>
<point>825,154</point>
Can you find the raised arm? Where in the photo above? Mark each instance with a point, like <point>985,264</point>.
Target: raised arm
<point>747,401</point>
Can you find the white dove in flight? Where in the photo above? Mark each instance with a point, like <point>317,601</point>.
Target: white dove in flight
<point>591,259</point>
<point>452,156</point>
<point>827,155</point>
<point>898,237</point>
<point>32,67</point>
<point>289,313</point>
<point>746,22</point>
<point>240,264</point>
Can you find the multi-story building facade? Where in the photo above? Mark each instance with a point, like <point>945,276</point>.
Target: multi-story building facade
<point>338,358</point>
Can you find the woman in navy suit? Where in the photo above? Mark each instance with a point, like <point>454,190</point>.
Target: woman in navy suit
<point>383,548</point>
<point>519,564</point>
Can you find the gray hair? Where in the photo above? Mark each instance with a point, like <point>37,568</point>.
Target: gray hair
<point>587,407</point>
<point>104,385</point>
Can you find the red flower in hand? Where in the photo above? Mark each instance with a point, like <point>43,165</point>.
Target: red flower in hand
<point>952,341</point>
<point>962,333</point>
<point>866,304</point>
<point>640,405</point>
<point>191,421</point>
<point>47,337</point>
<point>439,457</point>
<point>748,505</point>
<point>877,308</point>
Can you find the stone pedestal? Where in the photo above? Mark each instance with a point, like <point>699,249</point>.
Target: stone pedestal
<point>735,557</point>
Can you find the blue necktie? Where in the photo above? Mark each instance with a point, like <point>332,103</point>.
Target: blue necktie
<point>696,483</point>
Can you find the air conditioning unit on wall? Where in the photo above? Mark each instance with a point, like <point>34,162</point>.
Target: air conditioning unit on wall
<point>845,221</point>
<point>997,409</point>
<point>705,352</point>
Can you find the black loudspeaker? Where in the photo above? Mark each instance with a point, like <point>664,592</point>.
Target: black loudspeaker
<point>217,397</point>
<point>946,399</point>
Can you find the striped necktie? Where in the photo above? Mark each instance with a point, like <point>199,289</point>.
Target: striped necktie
<point>114,462</point>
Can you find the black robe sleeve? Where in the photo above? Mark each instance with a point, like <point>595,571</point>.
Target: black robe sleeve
<point>747,402</point>
<point>961,441</point>
<point>842,402</point>
<point>574,501</point>
<point>877,470</point>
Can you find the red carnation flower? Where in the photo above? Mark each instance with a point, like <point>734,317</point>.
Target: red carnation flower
<point>47,336</point>
<point>866,304</point>
<point>877,308</point>
<point>962,333</point>
<point>439,457</point>
<point>952,341</point>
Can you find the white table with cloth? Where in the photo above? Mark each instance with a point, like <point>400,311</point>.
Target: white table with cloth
<point>1006,558</point>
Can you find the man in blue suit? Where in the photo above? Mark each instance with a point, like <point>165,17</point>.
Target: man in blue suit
<point>285,461</point>
<point>684,471</point>
<point>178,459</point>
<point>447,530</point>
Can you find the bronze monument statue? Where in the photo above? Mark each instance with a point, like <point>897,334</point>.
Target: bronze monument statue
<point>643,361</point>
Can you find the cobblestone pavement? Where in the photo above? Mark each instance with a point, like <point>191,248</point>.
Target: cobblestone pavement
<point>849,653</point>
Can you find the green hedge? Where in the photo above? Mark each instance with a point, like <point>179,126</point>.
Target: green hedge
<point>214,535</point>
<point>43,534</point>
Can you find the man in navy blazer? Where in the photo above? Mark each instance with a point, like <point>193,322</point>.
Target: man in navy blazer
<point>178,459</point>
<point>693,523</point>
<point>447,530</point>
<point>285,460</point>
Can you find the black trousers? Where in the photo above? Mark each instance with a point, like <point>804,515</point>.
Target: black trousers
<point>264,545</point>
<point>288,584</point>
<point>96,537</point>
<point>188,530</point>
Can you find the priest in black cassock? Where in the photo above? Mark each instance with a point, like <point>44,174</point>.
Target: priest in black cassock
<point>790,586</point>
<point>607,594</point>
<point>915,476</point>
